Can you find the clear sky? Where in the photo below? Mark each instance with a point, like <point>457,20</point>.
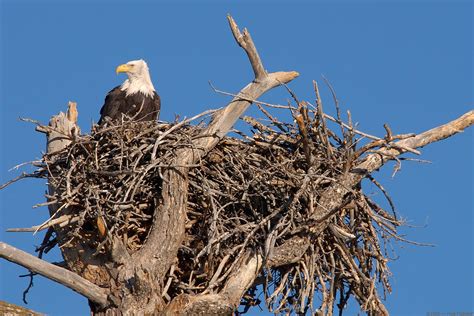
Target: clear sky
<point>406,63</point>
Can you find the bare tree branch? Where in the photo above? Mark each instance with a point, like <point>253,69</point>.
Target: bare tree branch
<point>332,199</point>
<point>165,239</point>
<point>228,299</point>
<point>55,273</point>
<point>380,157</point>
<point>226,118</point>
<point>439,133</point>
<point>61,221</point>
<point>174,188</point>
<point>245,41</point>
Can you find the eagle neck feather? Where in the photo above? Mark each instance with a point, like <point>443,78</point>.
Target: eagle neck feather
<point>136,84</point>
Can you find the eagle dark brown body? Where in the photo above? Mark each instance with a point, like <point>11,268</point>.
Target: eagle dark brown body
<point>136,107</point>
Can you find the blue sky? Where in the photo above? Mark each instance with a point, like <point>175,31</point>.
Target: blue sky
<point>405,63</point>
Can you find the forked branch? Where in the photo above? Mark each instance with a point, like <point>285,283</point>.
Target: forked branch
<point>245,41</point>
<point>167,234</point>
<point>218,128</point>
<point>226,118</point>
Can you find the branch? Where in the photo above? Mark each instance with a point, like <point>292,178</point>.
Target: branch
<point>160,250</point>
<point>376,160</point>
<point>245,41</point>
<point>440,132</point>
<point>55,273</point>
<point>243,278</point>
<point>61,221</point>
<point>226,118</point>
<point>227,300</point>
<point>162,244</point>
<point>332,199</point>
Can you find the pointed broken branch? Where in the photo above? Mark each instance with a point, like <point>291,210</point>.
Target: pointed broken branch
<point>226,118</point>
<point>245,41</point>
<point>162,245</point>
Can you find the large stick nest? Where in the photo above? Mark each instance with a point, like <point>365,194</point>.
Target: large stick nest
<point>253,191</point>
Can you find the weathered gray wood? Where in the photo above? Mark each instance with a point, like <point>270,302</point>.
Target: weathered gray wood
<point>161,248</point>
<point>55,273</point>
<point>61,131</point>
<point>228,299</point>
<point>222,122</point>
<point>332,199</point>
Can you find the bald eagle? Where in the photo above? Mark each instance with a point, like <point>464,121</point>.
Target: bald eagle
<point>136,99</point>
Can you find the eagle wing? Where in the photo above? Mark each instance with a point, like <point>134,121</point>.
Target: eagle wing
<point>142,108</point>
<point>113,105</point>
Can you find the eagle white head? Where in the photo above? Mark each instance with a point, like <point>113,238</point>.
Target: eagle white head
<point>138,78</point>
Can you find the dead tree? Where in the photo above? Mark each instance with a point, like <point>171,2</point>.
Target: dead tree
<point>180,219</point>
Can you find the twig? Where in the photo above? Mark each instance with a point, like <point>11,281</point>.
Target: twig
<point>246,98</point>
<point>22,176</point>
<point>69,219</point>
<point>175,127</point>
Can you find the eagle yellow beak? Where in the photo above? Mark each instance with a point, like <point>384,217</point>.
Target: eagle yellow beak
<point>123,68</point>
